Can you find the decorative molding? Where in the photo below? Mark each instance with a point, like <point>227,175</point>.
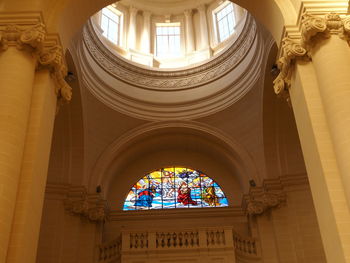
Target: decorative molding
<point>27,32</point>
<point>169,80</point>
<point>88,206</point>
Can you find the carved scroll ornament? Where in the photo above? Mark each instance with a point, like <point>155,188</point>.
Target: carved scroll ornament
<point>290,50</point>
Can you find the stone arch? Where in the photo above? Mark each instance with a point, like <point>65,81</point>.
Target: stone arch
<point>189,144</point>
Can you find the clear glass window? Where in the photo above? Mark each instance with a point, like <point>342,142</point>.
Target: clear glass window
<point>168,40</point>
<point>110,24</point>
<point>225,22</point>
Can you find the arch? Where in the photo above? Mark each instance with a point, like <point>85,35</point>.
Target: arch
<point>175,187</point>
<point>180,143</point>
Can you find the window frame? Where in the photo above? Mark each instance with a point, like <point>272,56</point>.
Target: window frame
<point>216,21</point>
<point>168,24</point>
<point>119,24</point>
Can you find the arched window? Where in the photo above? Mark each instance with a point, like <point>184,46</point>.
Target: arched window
<point>175,187</point>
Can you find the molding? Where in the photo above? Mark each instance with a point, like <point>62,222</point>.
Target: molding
<point>26,31</point>
<point>179,213</point>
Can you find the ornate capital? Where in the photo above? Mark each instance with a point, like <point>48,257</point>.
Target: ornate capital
<point>89,206</point>
<point>315,28</point>
<point>27,32</point>
<point>290,50</point>
<point>188,13</point>
<point>32,36</point>
<point>260,200</point>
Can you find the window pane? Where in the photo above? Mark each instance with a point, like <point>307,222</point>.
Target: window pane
<point>225,22</point>
<point>168,41</point>
<point>110,22</point>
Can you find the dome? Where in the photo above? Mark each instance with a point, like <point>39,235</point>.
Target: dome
<point>222,72</point>
<point>172,34</point>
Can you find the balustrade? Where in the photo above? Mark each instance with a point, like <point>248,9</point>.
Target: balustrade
<point>202,238</point>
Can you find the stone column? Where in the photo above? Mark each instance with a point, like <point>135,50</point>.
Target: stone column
<point>27,110</point>
<point>189,31</point>
<point>146,32</point>
<point>331,58</point>
<point>319,92</point>
<point>132,28</point>
<point>17,67</point>
<point>203,27</point>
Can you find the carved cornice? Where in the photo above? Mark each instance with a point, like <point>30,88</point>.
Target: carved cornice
<point>87,206</point>
<point>170,80</point>
<point>262,199</point>
<point>29,34</point>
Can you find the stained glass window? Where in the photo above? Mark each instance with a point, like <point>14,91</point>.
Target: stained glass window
<point>225,22</point>
<point>175,187</point>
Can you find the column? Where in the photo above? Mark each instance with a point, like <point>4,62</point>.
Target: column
<point>189,31</point>
<point>146,32</point>
<point>27,110</point>
<point>203,27</point>
<point>320,94</point>
<point>321,163</point>
<point>331,59</point>
<point>17,67</point>
<point>31,189</point>
<point>132,28</point>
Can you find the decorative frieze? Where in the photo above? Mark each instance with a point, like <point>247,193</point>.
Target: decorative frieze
<point>88,206</point>
<point>32,37</point>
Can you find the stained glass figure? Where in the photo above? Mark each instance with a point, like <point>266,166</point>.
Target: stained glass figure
<point>175,187</point>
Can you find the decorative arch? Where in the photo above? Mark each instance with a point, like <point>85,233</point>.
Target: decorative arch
<point>175,187</point>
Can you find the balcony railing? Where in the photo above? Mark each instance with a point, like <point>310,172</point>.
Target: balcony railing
<point>132,242</point>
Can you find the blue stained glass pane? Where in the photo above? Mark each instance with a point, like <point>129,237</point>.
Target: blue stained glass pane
<point>174,187</point>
